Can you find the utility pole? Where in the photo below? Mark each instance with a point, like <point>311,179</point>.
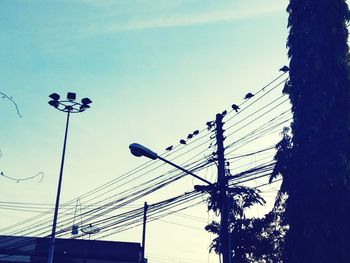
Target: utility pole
<point>222,183</point>
<point>145,208</point>
<point>220,188</point>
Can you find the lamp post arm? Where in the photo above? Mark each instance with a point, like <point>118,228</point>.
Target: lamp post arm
<point>184,170</point>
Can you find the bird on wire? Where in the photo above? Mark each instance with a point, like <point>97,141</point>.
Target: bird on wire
<point>210,125</point>
<point>196,132</point>
<point>224,113</point>
<point>189,136</point>
<point>248,96</point>
<point>235,107</point>
<point>182,141</point>
<point>284,69</point>
<point>169,148</point>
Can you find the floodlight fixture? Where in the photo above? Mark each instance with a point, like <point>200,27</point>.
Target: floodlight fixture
<point>70,104</point>
<point>54,103</point>
<point>86,101</point>
<point>55,96</point>
<point>84,107</point>
<point>71,96</point>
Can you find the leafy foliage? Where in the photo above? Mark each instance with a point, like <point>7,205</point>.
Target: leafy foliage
<point>283,154</point>
<point>251,239</point>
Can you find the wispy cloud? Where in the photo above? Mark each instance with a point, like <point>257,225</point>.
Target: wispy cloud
<point>207,17</point>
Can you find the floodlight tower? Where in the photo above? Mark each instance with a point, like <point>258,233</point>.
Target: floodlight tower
<point>69,106</point>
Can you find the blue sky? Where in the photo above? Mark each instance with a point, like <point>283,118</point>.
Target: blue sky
<point>155,70</point>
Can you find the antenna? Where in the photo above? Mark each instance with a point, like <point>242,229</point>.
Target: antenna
<point>90,230</point>
<point>75,227</point>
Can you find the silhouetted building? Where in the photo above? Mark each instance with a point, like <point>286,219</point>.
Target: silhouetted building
<point>35,250</point>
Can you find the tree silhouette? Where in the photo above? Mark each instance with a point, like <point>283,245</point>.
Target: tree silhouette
<point>315,160</point>
<point>248,236</point>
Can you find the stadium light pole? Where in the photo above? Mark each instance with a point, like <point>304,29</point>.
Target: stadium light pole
<point>68,105</point>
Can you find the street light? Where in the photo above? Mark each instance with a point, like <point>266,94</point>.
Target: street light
<point>139,150</point>
<point>69,106</point>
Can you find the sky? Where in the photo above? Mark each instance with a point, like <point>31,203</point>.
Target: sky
<point>155,71</point>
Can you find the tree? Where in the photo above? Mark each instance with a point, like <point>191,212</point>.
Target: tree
<point>245,239</point>
<point>315,160</point>
<point>253,239</point>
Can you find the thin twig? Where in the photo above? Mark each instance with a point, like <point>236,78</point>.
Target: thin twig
<point>24,179</point>
<point>4,96</point>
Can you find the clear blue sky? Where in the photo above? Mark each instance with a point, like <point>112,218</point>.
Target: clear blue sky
<point>155,70</point>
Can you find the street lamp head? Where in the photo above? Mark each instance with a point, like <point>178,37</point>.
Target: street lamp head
<point>140,150</point>
<point>86,101</point>
<point>71,96</point>
<point>54,96</point>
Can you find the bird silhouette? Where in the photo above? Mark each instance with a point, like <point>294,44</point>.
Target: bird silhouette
<point>209,124</point>
<point>196,132</point>
<point>182,141</point>
<point>284,69</point>
<point>189,136</point>
<point>224,113</point>
<point>235,107</point>
<point>248,96</point>
<point>169,148</point>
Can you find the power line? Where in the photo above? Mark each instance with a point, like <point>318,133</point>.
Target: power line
<point>157,184</point>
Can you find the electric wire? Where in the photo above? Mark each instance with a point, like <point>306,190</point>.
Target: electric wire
<point>148,163</point>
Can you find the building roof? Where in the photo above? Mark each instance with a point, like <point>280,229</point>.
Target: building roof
<point>35,250</point>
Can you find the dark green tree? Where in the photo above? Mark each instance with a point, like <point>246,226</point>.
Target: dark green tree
<point>315,160</point>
